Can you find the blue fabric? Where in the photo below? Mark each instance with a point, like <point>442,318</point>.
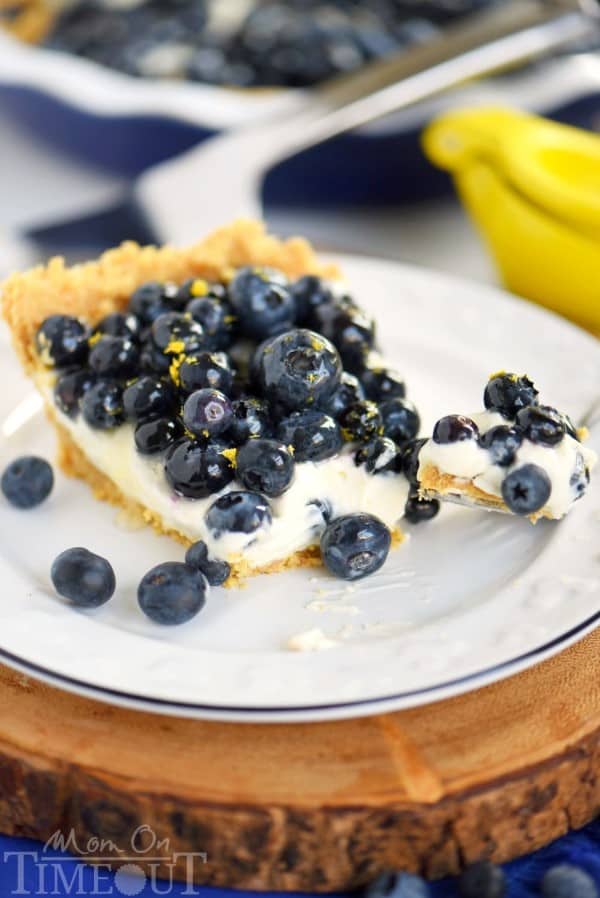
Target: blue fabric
<point>580,848</point>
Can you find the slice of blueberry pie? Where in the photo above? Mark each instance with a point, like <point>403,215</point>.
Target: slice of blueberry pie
<point>229,393</point>
<point>518,455</point>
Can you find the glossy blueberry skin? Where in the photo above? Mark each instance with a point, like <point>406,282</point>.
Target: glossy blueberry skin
<point>27,481</point>
<point>69,389</point>
<point>382,383</point>
<point>418,510</point>
<point>313,434</point>
<point>197,471</point>
<point>361,421</point>
<point>148,302</point>
<point>172,593</point>
<point>410,460</point>
<point>482,880</point>
<point>397,885</point>
<point>207,413</point>
<point>251,419</point>
<point>401,421</point>
<point>157,435</point>
<point>378,455</point>
<point>265,466</point>
<point>102,405</point>
<point>509,393</point>
<point>116,357</point>
<point>453,429</point>
<point>354,337</point>
<point>175,333</point>
<point>149,397</point>
<point>298,368</point>
<point>62,340</point>
<point>308,293</point>
<point>526,489</point>
<point>153,360</point>
<point>262,301</point>
<point>541,424</point>
<point>355,546</point>
<point>217,318</point>
<point>239,511</point>
<point>324,510</point>
<point>345,394</point>
<point>215,571</point>
<point>119,325</point>
<point>84,578</point>
<point>568,881</point>
<point>207,369</point>
<point>502,443</point>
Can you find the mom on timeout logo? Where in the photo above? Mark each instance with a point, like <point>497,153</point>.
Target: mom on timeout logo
<point>147,866</point>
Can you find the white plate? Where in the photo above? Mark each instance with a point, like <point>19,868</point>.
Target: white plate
<point>470,598</point>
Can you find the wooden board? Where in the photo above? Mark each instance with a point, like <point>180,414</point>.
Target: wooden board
<point>496,773</point>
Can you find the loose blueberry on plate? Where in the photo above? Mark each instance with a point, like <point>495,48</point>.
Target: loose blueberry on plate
<point>116,357</point>
<point>410,460</point>
<point>313,435</point>
<point>118,324</point>
<point>157,435</point>
<point>84,578</point>
<point>217,318</point>
<point>361,422</point>
<point>149,397</point>
<point>172,593</point>
<point>148,302</point>
<point>196,470</point>
<point>207,369</point>
<point>263,302</point>
<point>207,413</point>
<point>502,443</point>
<point>382,383</point>
<point>62,340</point>
<point>102,405</point>
<point>378,455</point>
<point>27,481</point>
<point>297,368</point>
<point>568,881</point>
<point>215,571</point>
<point>309,292</point>
<point>482,880</point>
<point>240,511</point>
<point>541,424</point>
<point>417,510</point>
<point>401,420</point>
<point>251,419</point>
<point>397,885</point>
<point>355,546</point>
<point>526,489</point>
<point>69,389</point>
<point>454,429</point>
<point>175,333</point>
<point>509,393</point>
<point>345,394</point>
<point>265,466</point>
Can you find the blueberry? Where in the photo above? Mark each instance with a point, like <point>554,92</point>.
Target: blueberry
<point>526,489</point>
<point>378,455</point>
<point>251,419</point>
<point>570,428</point>
<point>148,397</point>
<point>118,324</point>
<point>454,429</point>
<point>410,460</point>
<point>313,435</point>
<point>27,481</point>
<point>309,292</point>
<point>417,510</point>
<point>580,477</point>
<point>102,405</point>
<point>62,340</point>
<point>199,288</point>
<point>175,333</point>
<point>355,545</point>
<point>86,579</point>
<point>568,881</point>
<point>482,880</point>
<point>153,360</point>
<point>216,572</point>
<point>348,328</point>
<point>502,443</point>
<point>69,389</point>
<point>262,301</point>
<point>541,424</point>
<point>265,466</point>
<point>401,420</point>
<point>172,593</point>
<point>157,434</point>
<point>207,413</point>
<point>345,394</point>
<point>114,357</point>
<point>509,393</point>
<point>207,369</point>
<point>361,421</point>
<point>240,511</point>
<point>323,508</point>
<point>197,471</point>
<point>217,318</point>
<point>382,383</point>
<point>148,302</point>
<point>397,885</point>
<point>297,369</point>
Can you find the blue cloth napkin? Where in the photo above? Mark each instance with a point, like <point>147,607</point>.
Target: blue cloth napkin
<point>26,870</point>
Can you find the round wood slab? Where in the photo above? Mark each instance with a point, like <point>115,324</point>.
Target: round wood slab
<point>313,807</point>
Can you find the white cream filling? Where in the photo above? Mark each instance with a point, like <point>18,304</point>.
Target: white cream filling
<point>469,461</point>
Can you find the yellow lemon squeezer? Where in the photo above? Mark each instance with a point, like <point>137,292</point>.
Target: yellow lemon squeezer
<point>532,187</point>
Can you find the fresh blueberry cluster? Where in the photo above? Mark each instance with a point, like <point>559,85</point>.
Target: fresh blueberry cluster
<point>295,43</point>
<point>527,488</point>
